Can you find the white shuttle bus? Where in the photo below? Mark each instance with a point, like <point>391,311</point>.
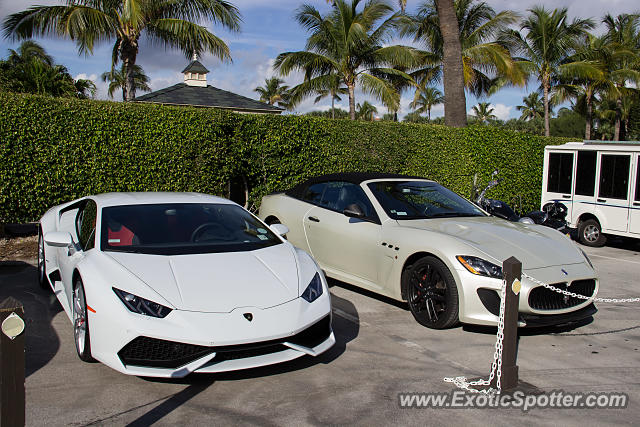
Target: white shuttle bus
<point>599,182</point>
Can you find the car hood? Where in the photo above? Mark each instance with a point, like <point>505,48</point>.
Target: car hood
<point>218,282</point>
<point>535,246</point>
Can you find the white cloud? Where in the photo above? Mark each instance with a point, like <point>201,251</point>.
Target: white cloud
<point>158,83</point>
<point>502,111</point>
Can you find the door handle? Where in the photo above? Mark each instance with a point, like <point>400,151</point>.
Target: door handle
<point>601,201</point>
<point>314,219</point>
<point>565,196</point>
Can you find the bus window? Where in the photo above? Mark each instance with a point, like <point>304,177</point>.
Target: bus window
<point>586,173</point>
<point>637,197</point>
<point>614,176</point>
<point>560,172</point>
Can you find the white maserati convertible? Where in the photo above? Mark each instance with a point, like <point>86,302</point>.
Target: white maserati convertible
<point>165,284</point>
<point>412,239</point>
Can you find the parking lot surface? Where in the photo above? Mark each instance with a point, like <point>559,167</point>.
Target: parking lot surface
<point>380,352</point>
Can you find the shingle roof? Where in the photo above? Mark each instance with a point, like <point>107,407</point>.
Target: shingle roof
<point>209,96</point>
<point>195,67</point>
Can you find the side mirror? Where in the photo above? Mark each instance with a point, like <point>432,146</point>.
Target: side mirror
<point>60,239</point>
<point>354,211</point>
<point>279,229</point>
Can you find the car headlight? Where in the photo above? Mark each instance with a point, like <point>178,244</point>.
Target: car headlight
<point>480,267</point>
<point>140,305</point>
<point>314,290</point>
<point>587,258</point>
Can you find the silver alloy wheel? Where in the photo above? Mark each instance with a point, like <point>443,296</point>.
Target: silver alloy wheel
<point>41,259</point>
<point>591,233</point>
<point>79,318</point>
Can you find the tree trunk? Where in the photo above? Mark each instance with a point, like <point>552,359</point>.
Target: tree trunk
<point>429,114</point>
<point>128,54</point>
<point>333,101</point>
<point>352,101</point>
<point>616,134</point>
<point>545,86</point>
<point>455,106</point>
<point>587,130</point>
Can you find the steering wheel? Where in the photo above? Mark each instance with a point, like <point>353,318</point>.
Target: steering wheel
<point>204,227</point>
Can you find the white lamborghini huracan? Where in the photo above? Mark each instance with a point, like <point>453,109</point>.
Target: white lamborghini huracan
<point>165,284</point>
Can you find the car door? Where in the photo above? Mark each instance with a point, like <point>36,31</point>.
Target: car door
<point>612,204</point>
<point>634,208</point>
<point>558,171</point>
<point>83,230</point>
<point>584,190</point>
<point>347,248</point>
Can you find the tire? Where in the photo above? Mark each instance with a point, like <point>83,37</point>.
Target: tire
<point>272,220</point>
<point>432,293</point>
<point>590,233</point>
<point>81,335</point>
<point>43,280</point>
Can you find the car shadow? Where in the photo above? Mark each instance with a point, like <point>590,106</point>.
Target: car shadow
<point>20,280</point>
<point>626,243</point>
<point>345,329</point>
<point>400,304</point>
<point>532,331</point>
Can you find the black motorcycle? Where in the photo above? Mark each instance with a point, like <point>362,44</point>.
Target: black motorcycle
<point>552,215</point>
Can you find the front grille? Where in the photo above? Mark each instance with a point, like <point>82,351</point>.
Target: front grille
<point>145,351</point>
<point>541,298</point>
<point>151,352</point>
<point>244,352</point>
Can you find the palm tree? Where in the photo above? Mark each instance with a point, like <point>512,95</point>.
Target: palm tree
<point>483,112</point>
<point>366,111</point>
<point>455,108</point>
<point>601,55</point>
<point>334,90</point>
<point>273,92</point>
<point>29,69</point>
<point>548,41</point>
<point>172,23</point>
<point>27,51</point>
<point>85,88</point>
<point>425,99</point>
<point>401,3</point>
<point>533,107</point>
<point>348,42</point>
<point>623,36</point>
<point>118,80</point>
<point>485,62</point>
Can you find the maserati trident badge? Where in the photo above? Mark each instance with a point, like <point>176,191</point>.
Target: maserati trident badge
<point>248,316</point>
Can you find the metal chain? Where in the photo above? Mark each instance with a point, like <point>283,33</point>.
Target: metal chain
<point>496,365</point>
<point>573,294</point>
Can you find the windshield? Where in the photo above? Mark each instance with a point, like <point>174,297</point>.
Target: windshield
<point>185,228</point>
<point>420,200</point>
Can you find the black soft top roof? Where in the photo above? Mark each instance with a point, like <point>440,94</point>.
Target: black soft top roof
<point>353,177</point>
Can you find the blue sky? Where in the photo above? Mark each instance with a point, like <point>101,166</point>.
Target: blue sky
<point>268,29</point>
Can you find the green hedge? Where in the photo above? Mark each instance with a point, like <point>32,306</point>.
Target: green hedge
<point>56,150</point>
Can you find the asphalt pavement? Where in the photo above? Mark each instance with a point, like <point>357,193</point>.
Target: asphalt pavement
<point>381,352</point>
